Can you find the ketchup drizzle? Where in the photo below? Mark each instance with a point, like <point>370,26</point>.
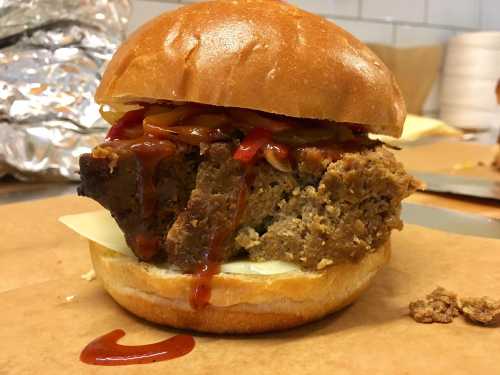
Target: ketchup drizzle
<point>127,121</point>
<point>149,153</point>
<point>105,351</point>
<point>201,288</point>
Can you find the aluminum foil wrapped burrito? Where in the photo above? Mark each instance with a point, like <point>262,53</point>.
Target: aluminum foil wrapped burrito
<point>52,53</point>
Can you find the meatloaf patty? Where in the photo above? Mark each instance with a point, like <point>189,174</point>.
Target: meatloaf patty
<point>330,209</point>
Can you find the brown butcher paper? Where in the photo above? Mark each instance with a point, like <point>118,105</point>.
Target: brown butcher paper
<point>49,313</point>
<point>455,159</point>
<point>415,68</point>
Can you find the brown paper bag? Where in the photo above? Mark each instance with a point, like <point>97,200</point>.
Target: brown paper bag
<point>416,70</point>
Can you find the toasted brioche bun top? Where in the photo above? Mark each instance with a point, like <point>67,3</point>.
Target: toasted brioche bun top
<point>264,55</point>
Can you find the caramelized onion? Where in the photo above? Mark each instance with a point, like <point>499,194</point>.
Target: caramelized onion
<point>256,120</point>
<point>111,117</point>
<point>188,134</point>
<point>161,116</point>
<point>129,126</point>
<point>208,120</point>
<point>113,113</point>
<point>147,145</point>
<point>277,156</point>
<point>126,107</point>
<point>314,135</point>
<point>141,144</point>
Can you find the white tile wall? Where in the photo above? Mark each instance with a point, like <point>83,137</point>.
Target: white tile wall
<point>412,36</point>
<point>490,14</point>
<point>398,10</point>
<point>398,22</point>
<point>329,7</point>
<point>370,32</point>
<point>348,8</point>
<point>143,11</point>
<point>461,13</point>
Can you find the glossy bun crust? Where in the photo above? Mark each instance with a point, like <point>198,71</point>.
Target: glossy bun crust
<point>239,303</point>
<point>264,55</point>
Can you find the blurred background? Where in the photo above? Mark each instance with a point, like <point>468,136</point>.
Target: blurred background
<point>444,53</point>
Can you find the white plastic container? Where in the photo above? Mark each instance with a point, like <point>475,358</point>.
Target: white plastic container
<point>470,75</point>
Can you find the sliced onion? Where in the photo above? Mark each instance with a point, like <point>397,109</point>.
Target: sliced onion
<point>208,120</point>
<point>154,146</point>
<point>188,134</point>
<point>110,116</point>
<point>164,117</point>
<point>114,112</point>
<point>314,135</point>
<point>125,107</point>
<point>259,121</point>
<point>274,156</point>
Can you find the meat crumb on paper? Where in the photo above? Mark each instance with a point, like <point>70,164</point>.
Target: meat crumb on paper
<point>441,306</point>
<point>484,310</point>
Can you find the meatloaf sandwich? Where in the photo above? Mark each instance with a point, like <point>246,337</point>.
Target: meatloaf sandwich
<point>239,132</point>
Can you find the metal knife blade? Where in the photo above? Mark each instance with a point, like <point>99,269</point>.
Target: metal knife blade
<point>450,220</point>
<point>474,187</point>
<point>37,193</point>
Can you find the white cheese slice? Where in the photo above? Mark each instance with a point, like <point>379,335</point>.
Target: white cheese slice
<point>100,227</point>
<point>417,128</point>
<point>272,267</point>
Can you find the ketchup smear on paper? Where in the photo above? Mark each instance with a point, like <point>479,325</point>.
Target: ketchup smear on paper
<point>105,351</point>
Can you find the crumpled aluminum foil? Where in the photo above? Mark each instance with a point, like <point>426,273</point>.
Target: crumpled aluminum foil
<point>52,54</point>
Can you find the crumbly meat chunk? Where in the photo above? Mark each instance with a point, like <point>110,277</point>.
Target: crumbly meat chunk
<point>313,160</point>
<point>213,204</point>
<point>209,212</point>
<point>485,310</point>
<point>350,212</point>
<point>440,306</point>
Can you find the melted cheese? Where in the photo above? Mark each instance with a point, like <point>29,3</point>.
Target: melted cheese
<point>101,228</point>
<point>417,128</point>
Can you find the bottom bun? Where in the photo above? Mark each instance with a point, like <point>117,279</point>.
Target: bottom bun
<point>240,303</point>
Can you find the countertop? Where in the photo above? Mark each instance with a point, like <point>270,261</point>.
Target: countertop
<point>12,191</point>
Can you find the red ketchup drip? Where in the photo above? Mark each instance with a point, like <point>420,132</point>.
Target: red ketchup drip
<point>127,121</point>
<point>201,288</point>
<point>127,135</point>
<point>105,351</point>
<point>150,152</point>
